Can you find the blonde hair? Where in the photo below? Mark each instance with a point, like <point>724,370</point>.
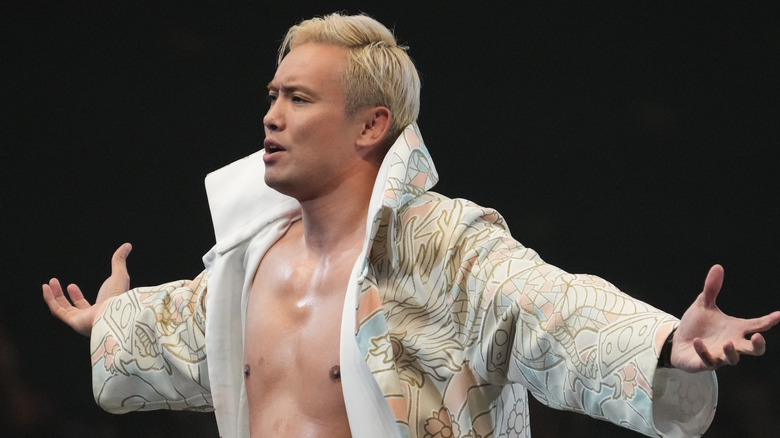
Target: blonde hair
<point>379,72</point>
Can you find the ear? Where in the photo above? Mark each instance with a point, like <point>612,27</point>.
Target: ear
<point>375,124</point>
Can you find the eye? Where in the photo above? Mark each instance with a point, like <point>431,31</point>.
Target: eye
<point>271,98</point>
<point>299,99</point>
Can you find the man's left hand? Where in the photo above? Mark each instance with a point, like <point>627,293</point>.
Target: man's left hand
<point>708,338</point>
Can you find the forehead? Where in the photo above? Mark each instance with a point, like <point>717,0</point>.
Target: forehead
<point>311,65</point>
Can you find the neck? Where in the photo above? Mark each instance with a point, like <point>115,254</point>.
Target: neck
<point>336,220</point>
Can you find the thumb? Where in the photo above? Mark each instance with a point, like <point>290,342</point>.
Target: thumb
<point>119,260</point>
<point>712,285</point>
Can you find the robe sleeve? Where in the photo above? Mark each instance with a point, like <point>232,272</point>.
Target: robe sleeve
<point>148,350</point>
<point>576,342</point>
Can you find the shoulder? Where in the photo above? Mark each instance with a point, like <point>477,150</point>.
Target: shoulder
<point>450,226</point>
<point>449,213</point>
<point>437,234</point>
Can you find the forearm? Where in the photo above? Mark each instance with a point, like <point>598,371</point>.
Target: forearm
<point>148,349</point>
<point>578,343</point>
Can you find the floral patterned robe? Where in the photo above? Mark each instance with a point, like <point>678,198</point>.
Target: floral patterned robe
<point>448,323</point>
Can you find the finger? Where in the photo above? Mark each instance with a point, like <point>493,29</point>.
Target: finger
<point>119,259</point>
<point>704,353</point>
<point>49,298</point>
<point>712,285</point>
<point>54,287</point>
<point>756,346</point>
<point>55,305</point>
<point>763,323</point>
<point>119,265</point>
<point>730,354</point>
<point>58,295</point>
<point>74,292</point>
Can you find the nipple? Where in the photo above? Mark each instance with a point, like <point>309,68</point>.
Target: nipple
<point>246,371</point>
<point>335,374</point>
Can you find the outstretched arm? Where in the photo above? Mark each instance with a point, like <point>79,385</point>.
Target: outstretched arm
<point>707,338</point>
<point>77,312</point>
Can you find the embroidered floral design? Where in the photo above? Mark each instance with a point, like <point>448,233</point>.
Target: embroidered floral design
<point>440,425</point>
<point>628,381</point>
<point>517,420</point>
<point>110,347</point>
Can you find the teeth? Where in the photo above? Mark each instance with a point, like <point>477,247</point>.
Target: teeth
<point>272,147</point>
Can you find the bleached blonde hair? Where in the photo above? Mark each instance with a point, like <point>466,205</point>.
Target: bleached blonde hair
<point>379,72</point>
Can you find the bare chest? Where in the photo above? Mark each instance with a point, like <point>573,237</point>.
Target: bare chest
<point>291,354</point>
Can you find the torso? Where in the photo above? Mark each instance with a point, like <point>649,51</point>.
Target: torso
<point>291,354</point>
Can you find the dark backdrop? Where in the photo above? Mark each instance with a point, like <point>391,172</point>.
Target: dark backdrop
<point>635,142</point>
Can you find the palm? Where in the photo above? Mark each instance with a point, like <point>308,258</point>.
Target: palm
<point>708,338</point>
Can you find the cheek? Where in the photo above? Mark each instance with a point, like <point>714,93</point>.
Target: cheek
<point>307,129</point>
<point>323,132</point>
<point>319,132</point>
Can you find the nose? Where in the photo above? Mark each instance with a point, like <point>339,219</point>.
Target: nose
<point>274,118</point>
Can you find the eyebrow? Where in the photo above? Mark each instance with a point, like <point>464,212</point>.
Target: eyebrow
<point>288,89</point>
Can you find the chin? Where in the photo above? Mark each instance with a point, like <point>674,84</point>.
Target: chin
<point>281,186</point>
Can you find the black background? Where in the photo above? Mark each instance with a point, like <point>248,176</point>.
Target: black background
<point>632,141</point>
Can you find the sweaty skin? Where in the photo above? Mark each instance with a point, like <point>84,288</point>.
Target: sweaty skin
<point>328,161</point>
<point>291,356</point>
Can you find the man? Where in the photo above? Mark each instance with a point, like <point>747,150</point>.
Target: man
<point>343,298</point>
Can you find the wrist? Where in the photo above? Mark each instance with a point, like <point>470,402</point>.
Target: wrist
<point>96,312</point>
<point>665,355</point>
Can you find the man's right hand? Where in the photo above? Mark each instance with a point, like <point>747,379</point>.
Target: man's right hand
<point>78,313</point>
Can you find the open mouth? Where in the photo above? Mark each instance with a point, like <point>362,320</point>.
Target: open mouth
<point>272,147</point>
